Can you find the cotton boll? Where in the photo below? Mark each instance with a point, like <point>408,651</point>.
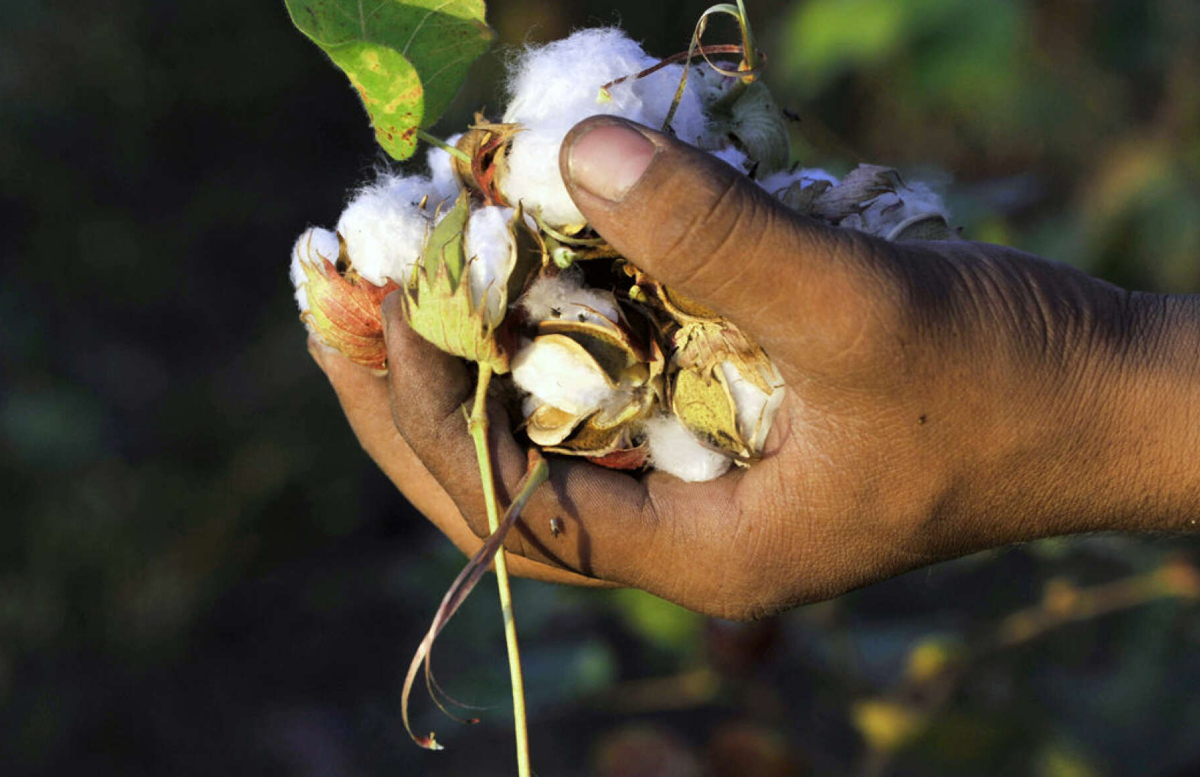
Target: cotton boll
<point>657,91</point>
<point>755,410</point>
<point>891,210</point>
<point>560,82</point>
<point>534,178</point>
<point>556,86</point>
<point>441,173</point>
<point>311,247</point>
<point>558,377</point>
<point>489,248</point>
<point>384,228</point>
<point>564,296</point>
<point>734,157</point>
<point>674,450</point>
<point>784,179</point>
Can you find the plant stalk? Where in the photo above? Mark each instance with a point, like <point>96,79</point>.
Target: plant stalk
<point>443,145</point>
<point>478,424</point>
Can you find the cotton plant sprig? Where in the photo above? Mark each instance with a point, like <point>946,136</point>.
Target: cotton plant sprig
<point>496,264</point>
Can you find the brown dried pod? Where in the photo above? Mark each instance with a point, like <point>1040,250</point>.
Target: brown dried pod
<point>340,308</point>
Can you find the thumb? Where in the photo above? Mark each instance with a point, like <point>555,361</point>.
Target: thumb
<point>697,225</point>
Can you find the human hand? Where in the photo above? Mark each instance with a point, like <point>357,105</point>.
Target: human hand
<point>941,398</point>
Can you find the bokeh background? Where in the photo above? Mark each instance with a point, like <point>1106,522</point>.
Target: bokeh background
<point>201,573</point>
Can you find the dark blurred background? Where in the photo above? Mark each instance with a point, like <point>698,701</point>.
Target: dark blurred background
<point>201,573</point>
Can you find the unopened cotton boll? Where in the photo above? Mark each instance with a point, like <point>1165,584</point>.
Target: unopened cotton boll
<point>489,248</point>
<point>674,450</point>
<point>564,296</point>
<point>557,377</point>
<point>313,246</point>
<point>806,176</point>
<point>385,227</point>
<point>755,409</point>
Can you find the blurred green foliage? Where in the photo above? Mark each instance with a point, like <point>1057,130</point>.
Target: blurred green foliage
<point>200,572</point>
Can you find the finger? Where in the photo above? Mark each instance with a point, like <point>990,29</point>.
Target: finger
<point>653,533</point>
<point>364,399</point>
<point>696,224</point>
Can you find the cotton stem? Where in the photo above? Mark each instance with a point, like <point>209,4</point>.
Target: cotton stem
<point>478,424</point>
<point>443,145</point>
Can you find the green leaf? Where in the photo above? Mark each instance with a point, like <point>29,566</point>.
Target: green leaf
<point>406,58</point>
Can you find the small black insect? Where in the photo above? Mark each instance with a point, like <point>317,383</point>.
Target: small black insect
<point>556,526</point>
<point>556,312</point>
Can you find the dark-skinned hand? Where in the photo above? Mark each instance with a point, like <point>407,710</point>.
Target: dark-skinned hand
<point>942,398</point>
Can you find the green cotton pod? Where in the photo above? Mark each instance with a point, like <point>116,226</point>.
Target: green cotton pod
<point>755,120</point>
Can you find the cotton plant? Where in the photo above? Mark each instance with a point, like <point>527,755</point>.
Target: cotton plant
<point>496,264</point>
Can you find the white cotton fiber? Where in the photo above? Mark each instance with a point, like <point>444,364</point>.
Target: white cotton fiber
<point>564,296</point>
<point>384,228</point>
<point>489,249</point>
<point>311,247</point>
<point>558,377</point>
<point>755,410</point>
<point>734,157</point>
<point>441,174</point>
<point>556,86</point>
<point>534,179</point>
<point>674,450</point>
<point>784,179</point>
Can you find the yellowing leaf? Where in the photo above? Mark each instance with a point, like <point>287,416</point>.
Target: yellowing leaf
<point>406,58</point>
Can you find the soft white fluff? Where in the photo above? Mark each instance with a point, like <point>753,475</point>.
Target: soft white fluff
<point>564,296</point>
<point>441,173</point>
<point>734,157</point>
<point>384,227</point>
<point>556,86</point>
<point>489,248</point>
<point>755,410</point>
<point>559,378</point>
<point>313,245</point>
<point>674,450</point>
<point>778,182</point>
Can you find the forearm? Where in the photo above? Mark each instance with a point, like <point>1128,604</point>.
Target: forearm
<point>1154,453</point>
<point>1117,446</point>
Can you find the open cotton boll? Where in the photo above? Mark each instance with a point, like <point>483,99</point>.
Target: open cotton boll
<point>313,245</point>
<point>755,410</point>
<point>674,450</point>
<point>384,228</point>
<point>564,296</point>
<point>441,173</point>
<point>559,378</point>
<point>734,157</point>
<point>556,86</point>
<point>489,248</point>
<point>559,83</point>
<point>889,211</point>
<point>784,179</point>
<point>534,178</point>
